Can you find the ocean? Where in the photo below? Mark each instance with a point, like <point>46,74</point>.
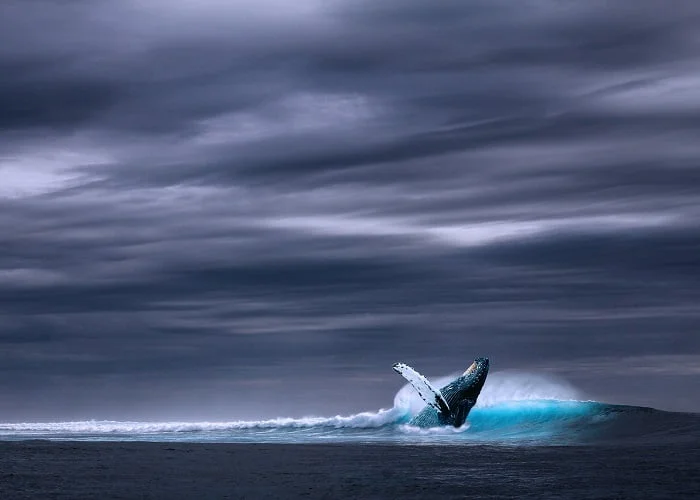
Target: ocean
<point>528,437</point>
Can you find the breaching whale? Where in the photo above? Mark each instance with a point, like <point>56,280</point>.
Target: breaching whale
<point>451,404</point>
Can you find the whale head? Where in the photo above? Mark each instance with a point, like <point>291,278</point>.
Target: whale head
<point>473,378</point>
<point>462,393</point>
<point>470,383</point>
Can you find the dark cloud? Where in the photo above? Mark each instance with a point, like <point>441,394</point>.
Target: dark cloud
<point>30,102</point>
<point>202,201</point>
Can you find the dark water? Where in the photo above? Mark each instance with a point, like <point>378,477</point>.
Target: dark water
<point>77,470</point>
<point>518,449</point>
<point>509,448</point>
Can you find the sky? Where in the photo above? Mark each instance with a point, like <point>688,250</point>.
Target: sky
<point>252,208</point>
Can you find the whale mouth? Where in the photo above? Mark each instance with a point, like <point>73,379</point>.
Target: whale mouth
<point>471,369</point>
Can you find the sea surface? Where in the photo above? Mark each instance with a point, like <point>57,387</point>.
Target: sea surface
<point>528,437</point>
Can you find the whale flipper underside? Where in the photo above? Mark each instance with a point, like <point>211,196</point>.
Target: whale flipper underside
<point>425,389</point>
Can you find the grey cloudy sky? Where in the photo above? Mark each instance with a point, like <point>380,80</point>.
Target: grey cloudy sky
<point>236,209</point>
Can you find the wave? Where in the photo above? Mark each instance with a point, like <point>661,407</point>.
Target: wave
<point>514,408</point>
<point>364,420</point>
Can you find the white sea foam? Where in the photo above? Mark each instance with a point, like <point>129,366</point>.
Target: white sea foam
<point>434,431</point>
<point>360,420</point>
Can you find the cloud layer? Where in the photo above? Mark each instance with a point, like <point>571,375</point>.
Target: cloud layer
<point>209,202</point>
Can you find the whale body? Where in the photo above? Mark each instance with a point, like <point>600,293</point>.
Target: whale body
<point>451,404</point>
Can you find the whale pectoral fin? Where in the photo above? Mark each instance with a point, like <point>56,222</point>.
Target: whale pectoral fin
<point>425,389</point>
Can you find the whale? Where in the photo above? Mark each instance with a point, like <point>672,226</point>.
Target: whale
<point>449,405</point>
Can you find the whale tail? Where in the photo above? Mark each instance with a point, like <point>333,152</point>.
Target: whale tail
<point>432,396</point>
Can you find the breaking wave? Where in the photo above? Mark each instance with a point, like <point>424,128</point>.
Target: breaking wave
<point>363,420</point>
<point>513,408</point>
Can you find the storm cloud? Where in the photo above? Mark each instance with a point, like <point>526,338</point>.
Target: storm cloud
<point>236,209</point>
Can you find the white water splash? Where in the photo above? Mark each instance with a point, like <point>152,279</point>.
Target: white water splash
<point>501,387</point>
